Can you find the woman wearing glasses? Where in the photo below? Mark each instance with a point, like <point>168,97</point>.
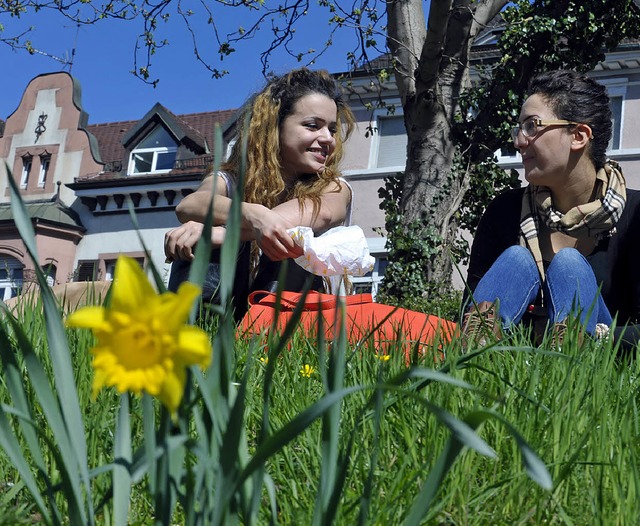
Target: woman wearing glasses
<point>566,245</point>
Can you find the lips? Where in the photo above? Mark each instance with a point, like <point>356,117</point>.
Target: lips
<point>319,153</point>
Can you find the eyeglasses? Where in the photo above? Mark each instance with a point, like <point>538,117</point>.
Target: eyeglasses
<point>531,127</point>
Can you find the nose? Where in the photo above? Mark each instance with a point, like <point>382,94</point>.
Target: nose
<point>325,135</point>
<point>519,139</point>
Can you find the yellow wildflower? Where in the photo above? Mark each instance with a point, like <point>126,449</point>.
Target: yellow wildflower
<point>264,360</point>
<point>307,371</point>
<point>383,357</point>
<point>143,342</point>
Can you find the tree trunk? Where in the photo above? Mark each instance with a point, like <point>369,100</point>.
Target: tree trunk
<point>430,87</point>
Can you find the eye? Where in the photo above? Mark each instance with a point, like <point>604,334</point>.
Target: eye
<point>530,128</point>
<point>333,131</point>
<point>311,125</point>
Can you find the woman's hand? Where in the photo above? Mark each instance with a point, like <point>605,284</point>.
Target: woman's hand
<point>270,232</point>
<point>179,243</point>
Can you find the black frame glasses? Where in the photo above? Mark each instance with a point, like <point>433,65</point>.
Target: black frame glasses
<point>531,127</point>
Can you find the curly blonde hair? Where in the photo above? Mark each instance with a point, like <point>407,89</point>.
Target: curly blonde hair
<point>260,128</point>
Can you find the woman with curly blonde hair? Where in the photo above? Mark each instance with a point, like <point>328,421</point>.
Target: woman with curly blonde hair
<point>295,129</point>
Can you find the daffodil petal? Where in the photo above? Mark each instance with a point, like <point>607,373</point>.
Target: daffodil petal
<point>143,343</point>
<point>131,287</point>
<point>92,317</point>
<point>98,382</point>
<point>194,347</point>
<point>175,308</point>
<point>173,389</point>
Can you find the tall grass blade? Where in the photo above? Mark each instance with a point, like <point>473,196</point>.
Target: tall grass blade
<point>422,502</point>
<point>533,465</point>
<point>292,429</point>
<point>149,447</point>
<point>41,384</point>
<point>333,469</point>
<point>157,278</point>
<point>121,474</point>
<point>13,379</point>
<point>367,491</point>
<point>60,357</point>
<point>12,448</point>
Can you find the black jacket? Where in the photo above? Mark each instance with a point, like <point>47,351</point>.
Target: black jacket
<point>615,261</point>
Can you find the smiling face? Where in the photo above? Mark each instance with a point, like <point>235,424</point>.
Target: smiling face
<point>307,136</point>
<point>547,156</point>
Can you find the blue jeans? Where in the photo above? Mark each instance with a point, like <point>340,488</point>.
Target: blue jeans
<point>570,288</point>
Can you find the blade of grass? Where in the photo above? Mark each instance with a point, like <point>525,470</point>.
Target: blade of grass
<point>121,474</point>
<point>60,357</point>
<point>12,448</point>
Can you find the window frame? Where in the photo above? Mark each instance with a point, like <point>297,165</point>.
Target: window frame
<point>155,151</point>
<point>11,285</point>
<point>617,88</point>
<point>27,166</point>
<point>45,166</point>
<point>374,151</point>
<point>373,278</point>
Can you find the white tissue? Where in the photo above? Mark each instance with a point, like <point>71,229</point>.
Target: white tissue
<point>339,251</point>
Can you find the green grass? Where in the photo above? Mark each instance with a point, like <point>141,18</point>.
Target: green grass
<point>577,409</point>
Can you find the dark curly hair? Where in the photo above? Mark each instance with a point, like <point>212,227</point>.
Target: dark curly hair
<point>578,98</point>
<point>263,116</point>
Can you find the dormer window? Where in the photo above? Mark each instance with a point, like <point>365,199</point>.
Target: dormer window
<point>155,153</point>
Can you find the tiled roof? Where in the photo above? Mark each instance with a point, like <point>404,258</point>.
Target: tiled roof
<point>205,122</point>
<point>110,134</point>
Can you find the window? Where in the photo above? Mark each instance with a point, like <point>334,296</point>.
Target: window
<point>617,91</point>
<point>11,277</point>
<point>370,282</point>
<point>50,271</point>
<point>616,120</point>
<point>110,265</point>
<point>87,271</point>
<point>155,153</point>
<point>110,269</point>
<point>392,142</point>
<point>27,162</point>
<point>45,161</point>
<point>507,153</point>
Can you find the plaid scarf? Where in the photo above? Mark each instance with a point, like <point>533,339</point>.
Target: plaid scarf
<point>596,219</point>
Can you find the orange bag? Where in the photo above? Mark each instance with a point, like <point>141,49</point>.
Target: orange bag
<point>389,327</point>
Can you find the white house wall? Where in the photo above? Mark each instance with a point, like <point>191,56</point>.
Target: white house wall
<point>110,234</point>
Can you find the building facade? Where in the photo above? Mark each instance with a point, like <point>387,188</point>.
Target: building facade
<point>94,191</point>
<point>378,148</point>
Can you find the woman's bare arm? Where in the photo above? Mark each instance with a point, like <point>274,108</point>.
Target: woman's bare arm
<point>334,203</point>
<point>267,227</point>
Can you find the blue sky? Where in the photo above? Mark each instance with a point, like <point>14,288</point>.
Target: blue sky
<point>104,58</point>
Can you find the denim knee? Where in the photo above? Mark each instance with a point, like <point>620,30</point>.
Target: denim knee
<point>571,287</point>
<point>567,258</point>
<point>513,279</point>
<point>520,258</point>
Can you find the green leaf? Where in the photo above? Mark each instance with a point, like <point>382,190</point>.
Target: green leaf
<point>121,474</point>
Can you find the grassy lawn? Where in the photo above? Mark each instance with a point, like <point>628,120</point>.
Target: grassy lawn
<point>578,410</point>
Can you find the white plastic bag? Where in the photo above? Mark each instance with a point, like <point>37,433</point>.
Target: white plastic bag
<point>339,251</point>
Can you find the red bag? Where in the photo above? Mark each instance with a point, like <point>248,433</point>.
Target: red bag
<point>388,326</point>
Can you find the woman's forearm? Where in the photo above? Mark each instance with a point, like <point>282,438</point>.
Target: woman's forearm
<point>332,211</point>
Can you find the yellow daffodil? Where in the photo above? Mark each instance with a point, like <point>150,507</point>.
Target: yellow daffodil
<point>264,360</point>
<point>383,357</point>
<point>143,342</point>
<point>307,371</point>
